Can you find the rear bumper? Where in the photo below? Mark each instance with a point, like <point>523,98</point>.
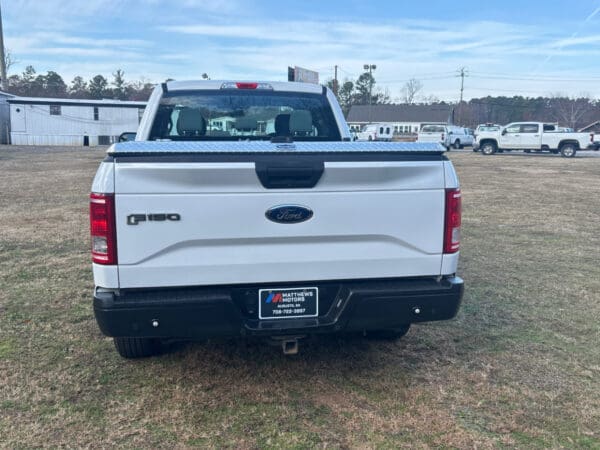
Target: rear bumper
<point>194,313</point>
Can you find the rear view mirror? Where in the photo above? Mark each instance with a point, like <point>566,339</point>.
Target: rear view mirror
<point>503,131</point>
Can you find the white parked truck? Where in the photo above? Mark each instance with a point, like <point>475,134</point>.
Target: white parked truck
<point>281,234</point>
<point>449,136</point>
<point>533,136</point>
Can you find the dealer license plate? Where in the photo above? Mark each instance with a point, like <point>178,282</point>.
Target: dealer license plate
<point>288,303</point>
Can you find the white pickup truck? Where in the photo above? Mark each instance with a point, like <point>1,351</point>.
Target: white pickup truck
<point>281,234</point>
<point>533,136</point>
<point>447,135</point>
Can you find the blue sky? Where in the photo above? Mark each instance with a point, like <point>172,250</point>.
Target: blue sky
<point>509,48</point>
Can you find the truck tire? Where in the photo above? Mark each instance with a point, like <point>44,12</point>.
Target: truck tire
<point>457,144</point>
<point>134,347</point>
<point>527,150</point>
<point>389,334</point>
<point>370,138</point>
<point>568,150</point>
<point>488,148</point>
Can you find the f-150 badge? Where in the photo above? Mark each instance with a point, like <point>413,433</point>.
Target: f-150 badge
<point>134,219</point>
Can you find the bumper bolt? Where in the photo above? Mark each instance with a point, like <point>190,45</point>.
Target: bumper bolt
<point>417,310</point>
<point>155,323</point>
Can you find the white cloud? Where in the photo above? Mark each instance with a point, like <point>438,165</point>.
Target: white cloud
<point>576,41</point>
<point>216,37</point>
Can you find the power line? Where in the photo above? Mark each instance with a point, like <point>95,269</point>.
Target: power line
<point>526,78</point>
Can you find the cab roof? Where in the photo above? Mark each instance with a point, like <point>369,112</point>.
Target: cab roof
<point>278,86</point>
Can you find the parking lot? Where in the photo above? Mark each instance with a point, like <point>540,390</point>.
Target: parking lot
<point>580,154</point>
<point>518,367</point>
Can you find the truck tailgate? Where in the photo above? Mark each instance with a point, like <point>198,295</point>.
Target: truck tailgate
<point>372,217</point>
<point>430,136</point>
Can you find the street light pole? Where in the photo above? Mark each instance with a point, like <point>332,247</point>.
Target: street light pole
<point>370,68</point>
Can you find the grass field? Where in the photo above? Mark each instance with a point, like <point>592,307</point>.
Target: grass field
<point>518,367</point>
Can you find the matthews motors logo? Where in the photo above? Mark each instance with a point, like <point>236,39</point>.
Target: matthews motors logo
<point>274,297</point>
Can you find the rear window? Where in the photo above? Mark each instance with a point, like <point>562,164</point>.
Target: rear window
<point>489,128</point>
<point>433,129</point>
<point>244,114</point>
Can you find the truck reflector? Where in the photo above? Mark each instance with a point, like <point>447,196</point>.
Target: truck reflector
<point>452,221</point>
<point>102,228</point>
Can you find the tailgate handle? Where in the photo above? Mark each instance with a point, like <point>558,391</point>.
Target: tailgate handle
<point>282,176</point>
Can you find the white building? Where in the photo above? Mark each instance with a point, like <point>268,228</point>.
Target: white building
<point>405,119</point>
<point>58,121</point>
<point>4,117</point>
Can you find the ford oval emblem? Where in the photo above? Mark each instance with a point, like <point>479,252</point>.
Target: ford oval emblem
<point>289,214</point>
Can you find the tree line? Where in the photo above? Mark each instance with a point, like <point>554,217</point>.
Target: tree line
<point>51,84</point>
<point>574,112</point>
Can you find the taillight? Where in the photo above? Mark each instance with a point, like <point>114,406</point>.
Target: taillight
<point>103,229</point>
<point>591,137</point>
<point>246,85</point>
<point>452,221</point>
<point>443,137</point>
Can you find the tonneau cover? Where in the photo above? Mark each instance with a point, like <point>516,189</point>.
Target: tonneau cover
<point>246,146</point>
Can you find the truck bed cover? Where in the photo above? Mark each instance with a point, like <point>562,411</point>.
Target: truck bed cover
<point>246,146</point>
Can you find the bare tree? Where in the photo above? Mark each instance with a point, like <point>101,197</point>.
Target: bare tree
<point>9,59</point>
<point>570,110</point>
<point>429,99</point>
<point>410,90</point>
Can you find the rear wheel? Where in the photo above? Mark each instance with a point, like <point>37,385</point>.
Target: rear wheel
<point>389,334</point>
<point>489,148</point>
<point>568,150</point>
<point>370,137</point>
<point>457,144</point>
<point>134,347</point>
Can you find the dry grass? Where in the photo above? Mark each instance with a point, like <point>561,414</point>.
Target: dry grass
<point>519,367</point>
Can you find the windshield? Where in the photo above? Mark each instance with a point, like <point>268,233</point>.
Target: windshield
<point>244,114</point>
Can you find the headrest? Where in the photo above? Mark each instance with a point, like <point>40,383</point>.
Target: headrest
<point>282,124</point>
<point>190,122</point>
<point>300,121</point>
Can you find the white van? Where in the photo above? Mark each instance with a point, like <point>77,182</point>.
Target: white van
<point>375,132</point>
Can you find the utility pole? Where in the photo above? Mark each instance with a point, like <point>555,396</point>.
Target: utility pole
<point>462,73</point>
<point>370,68</point>
<point>3,80</point>
<point>335,82</point>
